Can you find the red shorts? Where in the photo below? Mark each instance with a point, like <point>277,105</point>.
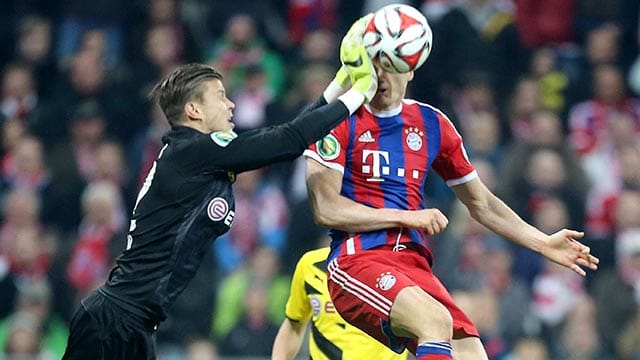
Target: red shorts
<point>364,285</point>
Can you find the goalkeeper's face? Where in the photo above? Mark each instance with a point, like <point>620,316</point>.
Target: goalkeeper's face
<point>213,110</point>
<point>391,89</point>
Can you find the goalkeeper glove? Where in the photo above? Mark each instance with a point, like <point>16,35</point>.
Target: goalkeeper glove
<point>360,68</point>
<point>337,86</point>
<point>356,31</point>
<point>341,81</point>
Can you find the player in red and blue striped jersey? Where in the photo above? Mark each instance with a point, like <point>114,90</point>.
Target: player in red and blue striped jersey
<point>384,158</point>
<point>366,182</point>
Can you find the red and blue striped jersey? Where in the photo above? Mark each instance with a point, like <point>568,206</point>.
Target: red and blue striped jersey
<point>384,158</point>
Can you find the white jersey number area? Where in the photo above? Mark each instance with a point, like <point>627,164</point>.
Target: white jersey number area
<point>143,191</point>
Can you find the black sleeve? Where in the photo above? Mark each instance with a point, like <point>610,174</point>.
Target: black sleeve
<point>260,147</point>
<point>314,105</point>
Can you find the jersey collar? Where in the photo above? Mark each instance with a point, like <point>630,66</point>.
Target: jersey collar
<point>384,113</point>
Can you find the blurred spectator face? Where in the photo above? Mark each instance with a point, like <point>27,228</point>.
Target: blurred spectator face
<point>628,254</point>
<point>546,169</point>
<point>319,45</point>
<point>478,93</point>
<point>629,158</point>
<point>580,336</point>
<point>627,210</point>
<point>88,130</point>
<point>94,42</point>
<point>526,98</point>
<point>162,11</point>
<point>17,82</point>
<point>255,302</point>
<point>483,132</point>
<point>34,39</point>
<point>621,130</point>
<point>87,74</point>
<point>530,349</point>
<point>543,62</point>
<point>21,208</point>
<point>608,85</point>
<point>255,80</point>
<point>26,247</point>
<point>110,163</point>
<point>34,297</point>
<point>602,44</point>
<point>29,156</point>
<point>99,203</point>
<point>12,132</point>
<point>240,31</point>
<point>161,45</point>
<point>265,262</point>
<point>552,215</point>
<point>545,128</point>
<point>497,268</point>
<point>481,307</point>
<point>24,336</point>
<point>314,79</point>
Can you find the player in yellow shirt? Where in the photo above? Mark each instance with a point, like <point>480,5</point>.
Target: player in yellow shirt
<point>331,337</point>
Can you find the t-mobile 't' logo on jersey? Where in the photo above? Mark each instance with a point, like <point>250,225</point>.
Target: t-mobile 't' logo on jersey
<point>379,165</point>
<point>376,169</point>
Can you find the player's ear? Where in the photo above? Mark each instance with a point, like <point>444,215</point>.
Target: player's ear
<point>192,110</point>
<point>410,76</point>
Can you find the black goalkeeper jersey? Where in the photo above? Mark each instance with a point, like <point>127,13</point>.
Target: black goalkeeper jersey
<point>186,202</point>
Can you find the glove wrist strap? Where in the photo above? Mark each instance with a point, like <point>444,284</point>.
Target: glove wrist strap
<point>332,91</point>
<point>352,99</point>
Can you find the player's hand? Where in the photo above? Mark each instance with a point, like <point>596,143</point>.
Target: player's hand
<point>342,77</point>
<point>564,248</point>
<point>356,61</point>
<point>356,31</point>
<point>432,221</point>
<point>361,72</point>
<point>355,34</point>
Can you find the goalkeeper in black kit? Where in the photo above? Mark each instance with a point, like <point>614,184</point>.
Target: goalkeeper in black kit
<point>186,201</point>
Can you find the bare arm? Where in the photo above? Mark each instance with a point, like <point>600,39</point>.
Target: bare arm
<point>289,339</point>
<point>560,247</point>
<point>339,212</point>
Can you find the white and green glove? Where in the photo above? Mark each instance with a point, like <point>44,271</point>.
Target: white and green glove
<point>360,68</point>
<point>360,74</point>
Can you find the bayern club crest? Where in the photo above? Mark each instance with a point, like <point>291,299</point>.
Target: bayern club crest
<point>217,209</point>
<point>414,138</point>
<point>385,281</point>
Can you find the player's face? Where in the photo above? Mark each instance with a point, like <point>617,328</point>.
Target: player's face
<point>216,108</point>
<point>391,89</point>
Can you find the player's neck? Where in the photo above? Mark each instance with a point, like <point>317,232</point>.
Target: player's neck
<point>387,111</point>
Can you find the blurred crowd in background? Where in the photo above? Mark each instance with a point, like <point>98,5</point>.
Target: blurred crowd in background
<point>544,92</point>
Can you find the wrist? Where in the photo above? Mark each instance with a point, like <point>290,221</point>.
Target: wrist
<point>333,91</point>
<point>399,218</point>
<point>352,99</point>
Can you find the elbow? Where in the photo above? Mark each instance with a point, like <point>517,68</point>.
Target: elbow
<point>475,212</point>
<point>478,209</point>
<point>323,218</point>
<point>324,214</point>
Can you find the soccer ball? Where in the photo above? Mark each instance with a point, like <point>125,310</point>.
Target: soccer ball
<point>399,37</point>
